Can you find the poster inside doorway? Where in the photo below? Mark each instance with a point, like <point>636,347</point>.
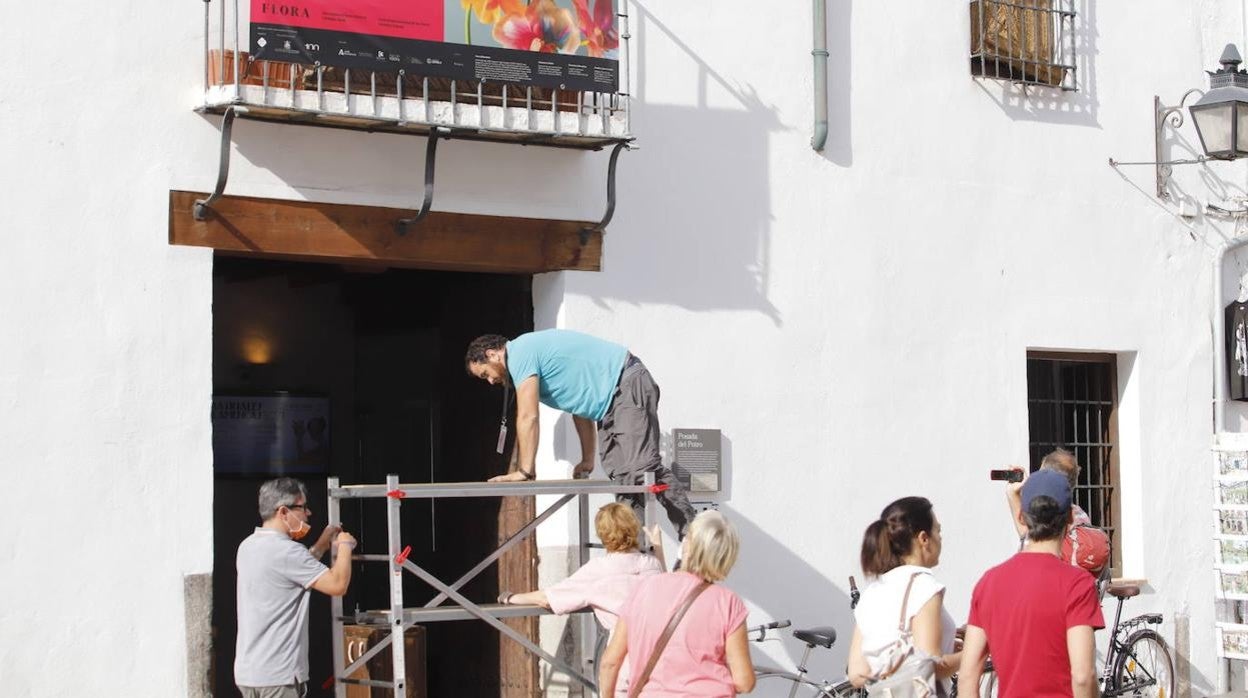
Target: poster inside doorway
<point>556,44</point>
<point>270,435</point>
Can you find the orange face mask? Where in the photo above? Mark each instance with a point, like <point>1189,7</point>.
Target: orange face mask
<point>298,532</point>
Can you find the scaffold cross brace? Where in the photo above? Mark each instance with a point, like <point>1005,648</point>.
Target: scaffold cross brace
<point>396,494</point>
<point>402,557</point>
<point>655,489</point>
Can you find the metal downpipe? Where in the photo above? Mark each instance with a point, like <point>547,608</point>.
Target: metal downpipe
<point>1219,335</point>
<point>819,52</point>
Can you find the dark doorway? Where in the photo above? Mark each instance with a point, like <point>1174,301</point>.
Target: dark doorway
<point>385,348</point>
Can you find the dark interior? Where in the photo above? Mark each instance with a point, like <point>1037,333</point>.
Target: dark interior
<point>386,348</point>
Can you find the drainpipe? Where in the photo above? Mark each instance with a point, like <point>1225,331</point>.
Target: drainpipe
<point>820,54</point>
<point>1219,334</point>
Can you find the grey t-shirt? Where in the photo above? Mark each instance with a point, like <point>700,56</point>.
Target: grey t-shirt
<point>274,574</point>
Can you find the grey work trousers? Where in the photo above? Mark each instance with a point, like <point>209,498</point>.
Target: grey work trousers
<point>289,691</point>
<point>628,443</point>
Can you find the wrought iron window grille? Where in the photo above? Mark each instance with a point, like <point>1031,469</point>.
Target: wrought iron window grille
<point>1072,403</point>
<point>1027,42</point>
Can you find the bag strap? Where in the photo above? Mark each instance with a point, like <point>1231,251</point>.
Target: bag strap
<point>905,601</point>
<point>901,628</point>
<point>635,689</point>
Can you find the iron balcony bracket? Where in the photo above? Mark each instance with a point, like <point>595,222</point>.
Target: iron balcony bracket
<point>601,225</point>
<point>431,160</point>
<point>203,206</point>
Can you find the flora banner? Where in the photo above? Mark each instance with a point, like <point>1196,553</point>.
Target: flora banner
<point>557,44</point>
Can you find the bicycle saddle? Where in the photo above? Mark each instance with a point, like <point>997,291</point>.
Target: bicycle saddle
<point>1123,590</point>
<point>822,636</point>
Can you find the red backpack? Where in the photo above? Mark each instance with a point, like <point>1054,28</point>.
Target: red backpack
<point>1086,547</point>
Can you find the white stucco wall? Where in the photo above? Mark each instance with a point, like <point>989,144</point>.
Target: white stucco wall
<point>854,321</point>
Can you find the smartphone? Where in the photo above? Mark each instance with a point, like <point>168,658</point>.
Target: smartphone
<point>1010,475</point>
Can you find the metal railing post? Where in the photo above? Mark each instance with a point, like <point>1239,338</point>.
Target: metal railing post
<point>397,646</point>
<point>588,628</point>
<point>650,500</point>
<point>334,515</point>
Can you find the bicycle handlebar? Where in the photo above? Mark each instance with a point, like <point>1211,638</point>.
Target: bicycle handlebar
<point>762,629</point>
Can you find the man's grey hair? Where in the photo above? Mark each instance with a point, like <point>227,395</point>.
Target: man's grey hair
<point>1064,462</point>
<point>282,492</point>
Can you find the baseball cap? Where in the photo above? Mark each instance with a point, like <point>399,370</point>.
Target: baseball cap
<point>1046,483</point>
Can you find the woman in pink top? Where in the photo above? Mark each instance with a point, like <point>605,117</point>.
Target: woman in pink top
<point>708,655</point>
<point>603,583</point>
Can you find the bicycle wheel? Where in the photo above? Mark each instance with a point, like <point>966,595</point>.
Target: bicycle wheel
<point>775,682</point>
<point>844,689</point>
<point>1144,667</point>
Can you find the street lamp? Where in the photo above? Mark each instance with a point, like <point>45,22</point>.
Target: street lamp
<point>1221,115</point>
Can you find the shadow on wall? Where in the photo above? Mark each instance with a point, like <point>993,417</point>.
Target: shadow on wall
<point>1050,105</point>
<point>839,147</point>
<point>702,178</point>
<point>802,594</point>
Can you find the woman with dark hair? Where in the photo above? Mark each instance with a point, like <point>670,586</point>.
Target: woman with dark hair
<point>899,551</point>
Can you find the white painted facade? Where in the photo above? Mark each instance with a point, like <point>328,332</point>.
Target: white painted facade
<point>855,321</point>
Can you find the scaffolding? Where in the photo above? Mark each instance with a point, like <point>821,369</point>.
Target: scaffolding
<point>398,618</point>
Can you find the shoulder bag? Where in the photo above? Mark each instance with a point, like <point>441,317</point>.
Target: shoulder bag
<point>909,671</point>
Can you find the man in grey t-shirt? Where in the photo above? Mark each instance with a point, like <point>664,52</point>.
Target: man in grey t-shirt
<point>274,575</point>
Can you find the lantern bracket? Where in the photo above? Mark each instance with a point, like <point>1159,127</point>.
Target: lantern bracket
<point>1172,115</point>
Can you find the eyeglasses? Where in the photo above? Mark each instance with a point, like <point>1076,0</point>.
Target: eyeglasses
<point>297,506</point>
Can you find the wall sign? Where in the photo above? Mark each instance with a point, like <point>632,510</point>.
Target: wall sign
<point>270,435</point>
<point>698,459</point>
<point>558,44</point>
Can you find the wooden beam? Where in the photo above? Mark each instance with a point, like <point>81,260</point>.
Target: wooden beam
<point>348,234</point>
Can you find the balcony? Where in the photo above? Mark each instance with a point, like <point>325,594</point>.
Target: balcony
<point>308,75</point>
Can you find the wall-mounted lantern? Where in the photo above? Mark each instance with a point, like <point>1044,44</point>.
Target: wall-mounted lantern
<point>1221,116</point>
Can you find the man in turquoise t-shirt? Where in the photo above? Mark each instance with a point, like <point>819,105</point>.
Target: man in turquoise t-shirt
<point>597,382</point>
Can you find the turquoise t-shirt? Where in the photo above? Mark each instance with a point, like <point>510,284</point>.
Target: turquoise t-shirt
<point>576,373</point>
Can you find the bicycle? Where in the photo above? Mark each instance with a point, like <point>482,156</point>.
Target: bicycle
<point>813,637</point>
<point>822,636</point>
<point>1140,665</point>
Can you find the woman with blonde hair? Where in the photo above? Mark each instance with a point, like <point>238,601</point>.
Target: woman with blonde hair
<point>603,583</point>
<point>705,652</point>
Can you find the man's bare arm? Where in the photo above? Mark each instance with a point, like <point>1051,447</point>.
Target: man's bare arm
<point>587,433</point>
<point>974,651</point>
<point>1081,646</point>
<point>526,433</point>
<point>338,578</point>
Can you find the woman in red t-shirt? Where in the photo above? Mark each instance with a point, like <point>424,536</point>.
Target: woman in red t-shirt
<point>708,655</point>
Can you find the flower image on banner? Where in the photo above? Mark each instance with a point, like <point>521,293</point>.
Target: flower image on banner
<point>573,27</point>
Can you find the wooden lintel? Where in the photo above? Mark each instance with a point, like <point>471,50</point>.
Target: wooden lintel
<point>365,235</point>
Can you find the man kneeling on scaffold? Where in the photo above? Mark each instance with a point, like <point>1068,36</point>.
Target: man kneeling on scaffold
<point>608,392</point>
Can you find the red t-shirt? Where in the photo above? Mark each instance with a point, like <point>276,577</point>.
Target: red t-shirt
<point>1025,606</point>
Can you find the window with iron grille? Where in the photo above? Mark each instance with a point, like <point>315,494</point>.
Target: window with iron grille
<point>1024,41</point>
<point>1072,403</point>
